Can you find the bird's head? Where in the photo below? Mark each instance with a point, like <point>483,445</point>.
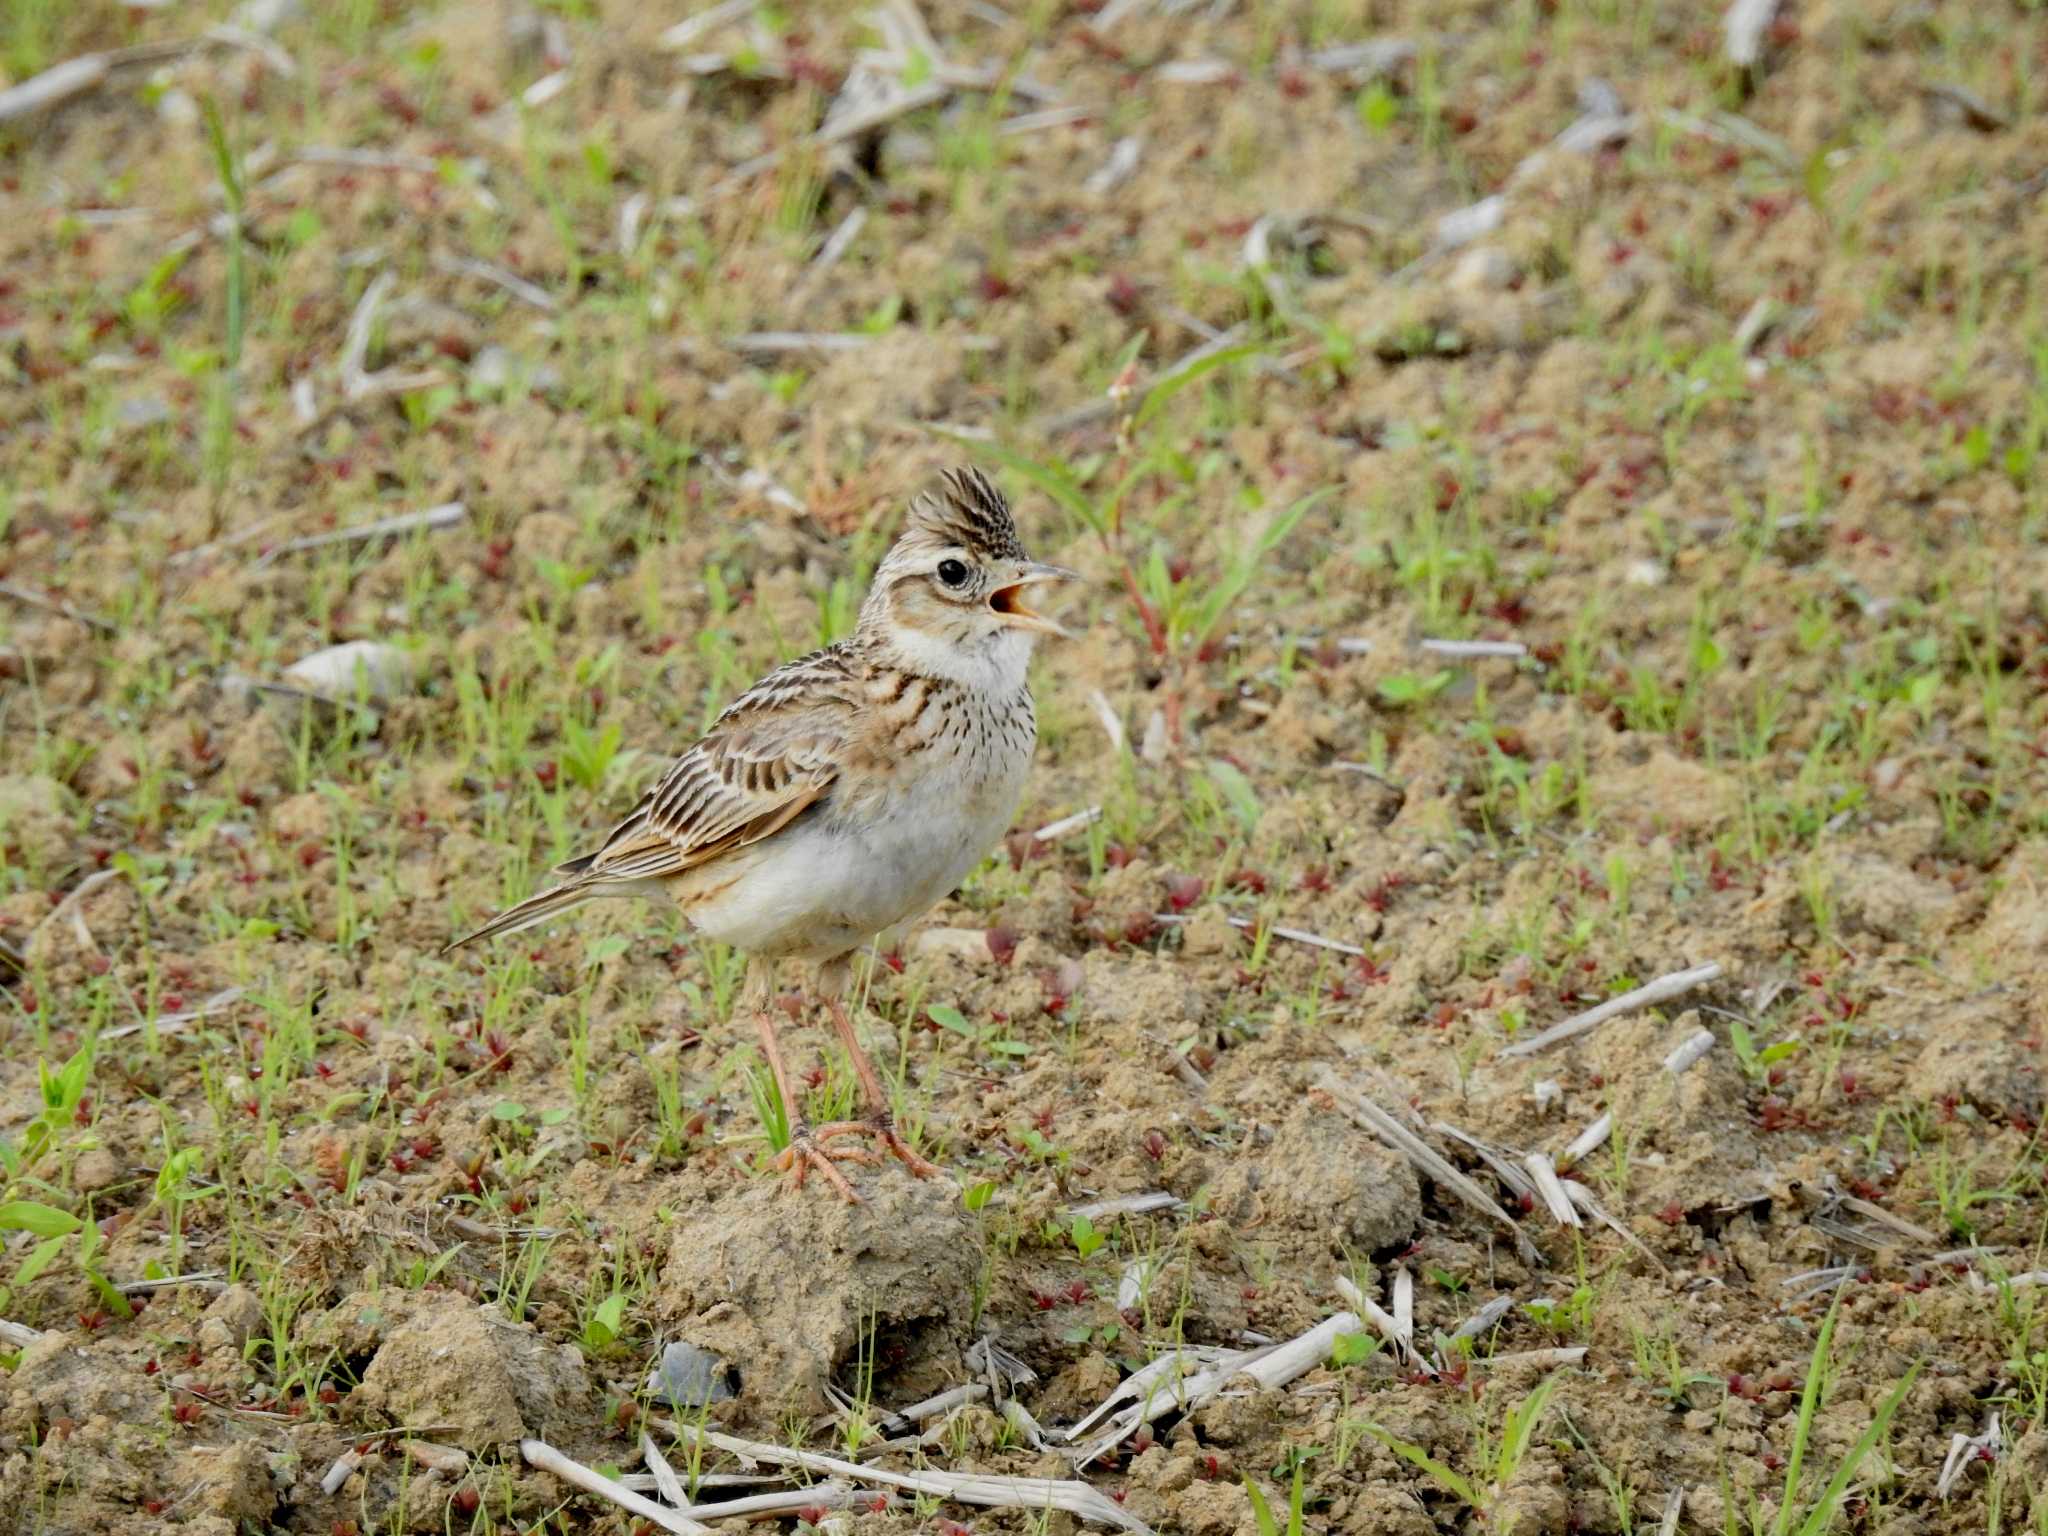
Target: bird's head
<point>957,577</point>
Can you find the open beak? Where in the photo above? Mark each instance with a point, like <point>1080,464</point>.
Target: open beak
<point>1009,600</point>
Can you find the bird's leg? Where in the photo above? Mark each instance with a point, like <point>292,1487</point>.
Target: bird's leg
<point>880,1123</point>
<point>803,1153</point>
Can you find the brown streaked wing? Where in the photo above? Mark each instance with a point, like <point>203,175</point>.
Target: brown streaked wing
<point>773,753</point>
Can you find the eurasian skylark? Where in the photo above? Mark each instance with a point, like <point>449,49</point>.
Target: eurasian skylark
<point>847,790</point>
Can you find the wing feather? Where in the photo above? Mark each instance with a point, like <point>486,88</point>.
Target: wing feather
<point>773,754</point>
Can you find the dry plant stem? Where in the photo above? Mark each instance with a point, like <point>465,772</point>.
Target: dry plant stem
<point>1689,1051</point>
<point>1742,27</point>
<point>1582,1198</point>
<point>1400,1337</point>
<point>1272,1366</point>
<point>1474,649</point>
<point>943,1402</point>
<point>818,1496</point>
<point>1428,1160</point>
<point>1128,1205</point>
<point>344,1467</point>
<point>538,1453</point>
<point>1550,1190</point>
<point>1142,1381</point>
<point>58,83</point>
<point>1589,1141</point>
<point>1054,830</point>
<point>1662,990</point>
<point>56,605</point>
<point>1483,1319</point>
<point>437,1458</point>
<point>1961,1452</point>
<point>1030,1493</point>
<point>68,907</point>
<point>497,276</point>
<point>209,1280</point>
<point>1541,1358</point>
<point>446,515</point>
<point>665,1480</point>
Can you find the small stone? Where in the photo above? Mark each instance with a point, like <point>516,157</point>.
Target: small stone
<point>688,1378</point>
<point>95,1170</point>
<point>235,1314</point>
<point>441,1359</point>
<point>1483,269</point>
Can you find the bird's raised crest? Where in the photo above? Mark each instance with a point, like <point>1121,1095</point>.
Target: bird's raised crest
<point>963,507</point>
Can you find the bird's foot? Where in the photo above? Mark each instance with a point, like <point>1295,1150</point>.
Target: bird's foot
<point>883,1129</point>
<point>805,1152</point>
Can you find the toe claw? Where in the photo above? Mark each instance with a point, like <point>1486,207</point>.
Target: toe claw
<point>804,1154</point>
<point>884,1131</point>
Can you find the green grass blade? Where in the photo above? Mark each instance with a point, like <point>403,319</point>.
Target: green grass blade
<point>1809,1404</point>
<point>1414,1454</point>
<point>1521,1425</point>
<point>1261,1510</point>
<point>1822,1515</point>
<point>1157,396</point>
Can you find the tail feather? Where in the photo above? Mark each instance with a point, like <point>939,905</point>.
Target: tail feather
<point>535,909</point>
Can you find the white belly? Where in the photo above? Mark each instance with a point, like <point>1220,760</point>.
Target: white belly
<point>821,888</point>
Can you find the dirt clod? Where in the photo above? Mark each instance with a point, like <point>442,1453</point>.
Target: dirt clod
<point>1327,1181</point>
<point>789,1285</point>
<point>438,1359</point>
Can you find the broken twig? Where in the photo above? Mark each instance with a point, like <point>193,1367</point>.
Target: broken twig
<point>1663,989</point>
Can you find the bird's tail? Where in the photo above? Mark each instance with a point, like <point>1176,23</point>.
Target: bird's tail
<point>535,909</point>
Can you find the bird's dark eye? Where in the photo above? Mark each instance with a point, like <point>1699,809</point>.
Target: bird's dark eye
<point>953,573</point>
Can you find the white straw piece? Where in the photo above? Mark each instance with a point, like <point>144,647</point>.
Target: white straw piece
<point>1582,1197</point>
<point>1112,726</point>
<point>1589,1141</point>
<point>685,33</point>
<point>343,1469</point>
<point>1052,831</point>
<point>1142,1204</point>
<point>665,1480</point>
<point>538,1453</point>
<point>58,83</point>
<point>1474,649</point>
<point>990,1491</point>
<point>943,1402</point>
<point>1132,1284</point>
<point>1428,1160</point>
<point>1482,1320</point>
<point>220,1002</point>
<point>1663,989</point>
<point>1174,1364</point>
<point>1689,1051</point>
<point>446,515</point>
<point>833,1495</point>
<point>1743,26</point>
<point>1570,1355</point>
<point>1550,1190</point>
